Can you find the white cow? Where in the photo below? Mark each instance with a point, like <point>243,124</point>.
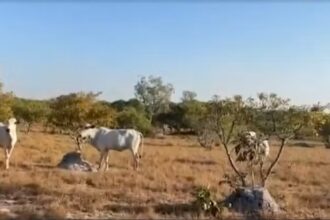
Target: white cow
<point>263,148</point>
<point>8,138</point>
<point>260,147</point>
<point>105,139</point>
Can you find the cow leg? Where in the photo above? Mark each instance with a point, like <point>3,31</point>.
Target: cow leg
<point>7,157</point>
<point>135,159</point>
<point>101,160</point>
<point>107,161</point>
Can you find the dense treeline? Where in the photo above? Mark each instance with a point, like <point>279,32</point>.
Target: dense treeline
<point>152,108</point>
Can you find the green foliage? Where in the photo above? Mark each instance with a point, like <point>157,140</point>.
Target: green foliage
<point>6,102</point>
<point>154,95</point>
<point>205,202</point>
<point>131,118</point>
<point>274,116</point>
<point>194,114</point>
<point>69,112</point>
<point>227,117</point>
<point>102,114</point>
<point>31,111</point>
<point>188,96</point>
<point>321,125</point>
<point>120,105</point>
<point>174,118</point>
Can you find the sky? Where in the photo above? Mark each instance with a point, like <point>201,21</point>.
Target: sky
<point>210,47</point>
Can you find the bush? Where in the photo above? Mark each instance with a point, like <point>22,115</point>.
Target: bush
<point>31,111</point>
<point>101,114</point>
<point>205,202</point>
<point>131,118</point>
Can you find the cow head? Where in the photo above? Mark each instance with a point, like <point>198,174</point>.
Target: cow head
<point>87,133</point>
<point>13,121</point>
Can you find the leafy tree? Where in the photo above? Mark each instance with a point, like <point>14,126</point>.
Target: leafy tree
<point>102,114</point>
<point>70,111</point>
<point>273,116</point>
<point>269,115</point>
<point>194,114</point>
<point>188,96</point>
<point>174,117</point>
<point>321,124</point>
<point>154,95</point>
<point>131,118</point>
<point>186,115</point>
<point>120,105</point>
<point>226,117</point>
<point>31,111</point>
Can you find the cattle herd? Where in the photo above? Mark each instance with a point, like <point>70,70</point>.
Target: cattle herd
<point>104,140</point>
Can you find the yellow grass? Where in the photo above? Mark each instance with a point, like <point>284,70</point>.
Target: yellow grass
<point>170,170</point>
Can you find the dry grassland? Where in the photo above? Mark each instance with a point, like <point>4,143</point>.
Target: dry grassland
<point>170,170</point>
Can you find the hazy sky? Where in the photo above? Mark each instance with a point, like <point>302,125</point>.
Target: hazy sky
<point>48,49</point>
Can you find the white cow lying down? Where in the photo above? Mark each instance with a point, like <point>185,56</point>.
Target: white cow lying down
<point>8,138</point>
<point>105,139</point>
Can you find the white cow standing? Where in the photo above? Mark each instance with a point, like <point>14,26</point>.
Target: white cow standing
<point>105,139</point>
<point>8,138</point>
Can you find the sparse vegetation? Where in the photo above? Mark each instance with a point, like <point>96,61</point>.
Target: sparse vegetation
<point>162,188</point>
<point>172,166</point>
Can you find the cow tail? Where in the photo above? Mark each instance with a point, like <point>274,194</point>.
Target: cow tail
<point>141,146</point>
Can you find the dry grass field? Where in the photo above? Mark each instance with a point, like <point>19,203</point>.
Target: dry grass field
<point>170,170</point>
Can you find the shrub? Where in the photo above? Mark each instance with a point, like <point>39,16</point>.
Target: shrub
<point>131,118</point>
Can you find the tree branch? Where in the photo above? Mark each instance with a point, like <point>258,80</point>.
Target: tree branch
<point>265,177</point>
<point>232,163</point>
<point>231,131</point>
<point>225,142</point>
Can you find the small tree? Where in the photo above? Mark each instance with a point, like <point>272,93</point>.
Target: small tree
<point>154,95</point>
<point>273,116</point>
<point>226,117</point>
<point>234,117</point>
<point>269,114</point>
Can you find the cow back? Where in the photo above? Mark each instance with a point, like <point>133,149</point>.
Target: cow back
<point>115,139</point>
